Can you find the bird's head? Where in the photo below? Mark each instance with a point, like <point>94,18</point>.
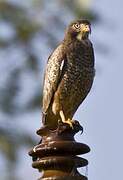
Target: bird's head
<point>79,29</point>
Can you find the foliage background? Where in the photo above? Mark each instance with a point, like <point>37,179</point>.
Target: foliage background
<point>29,31</point>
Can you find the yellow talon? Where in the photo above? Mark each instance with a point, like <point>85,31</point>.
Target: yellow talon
<point>68,121</point>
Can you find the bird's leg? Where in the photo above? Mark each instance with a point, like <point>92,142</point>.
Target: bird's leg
<point>68,121</point>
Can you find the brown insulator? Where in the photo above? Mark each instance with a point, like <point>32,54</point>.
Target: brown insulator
<point>56,154</point>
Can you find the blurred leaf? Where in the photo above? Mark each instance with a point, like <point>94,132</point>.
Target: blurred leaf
<point>90,15</point>
<point>11,139</point>
<point>11,12</point>
<point>35,102</point>
<point>32,63</point>
<point>26,30</point>
<point>9,92</point>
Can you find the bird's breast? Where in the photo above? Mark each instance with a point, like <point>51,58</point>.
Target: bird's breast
<point>79,70</point>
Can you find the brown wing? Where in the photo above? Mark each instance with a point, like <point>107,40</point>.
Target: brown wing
<point>52,75</point>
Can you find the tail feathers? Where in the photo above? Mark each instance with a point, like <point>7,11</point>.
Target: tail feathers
<point>44,118</point>
<point>49,120</point>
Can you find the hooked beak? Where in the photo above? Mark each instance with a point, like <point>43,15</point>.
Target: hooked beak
<point>85,28</point>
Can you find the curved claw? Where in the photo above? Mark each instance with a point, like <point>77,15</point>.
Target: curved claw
<point>70,122</point>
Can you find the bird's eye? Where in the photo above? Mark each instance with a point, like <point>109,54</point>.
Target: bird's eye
<point>76,26</point>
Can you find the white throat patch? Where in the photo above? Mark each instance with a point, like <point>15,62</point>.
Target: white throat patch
<point>79,36</point>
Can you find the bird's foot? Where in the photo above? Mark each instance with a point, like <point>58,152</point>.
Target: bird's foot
<point>70,122</point>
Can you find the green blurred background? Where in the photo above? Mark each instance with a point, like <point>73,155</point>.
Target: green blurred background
<point>29,31</point>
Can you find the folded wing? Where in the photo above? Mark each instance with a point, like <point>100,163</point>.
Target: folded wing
<point>52,76</point>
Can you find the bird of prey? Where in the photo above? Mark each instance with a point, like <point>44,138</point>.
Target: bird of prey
<point>69,75</point>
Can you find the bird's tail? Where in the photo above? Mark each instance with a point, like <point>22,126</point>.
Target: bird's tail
<point>44,118</point>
